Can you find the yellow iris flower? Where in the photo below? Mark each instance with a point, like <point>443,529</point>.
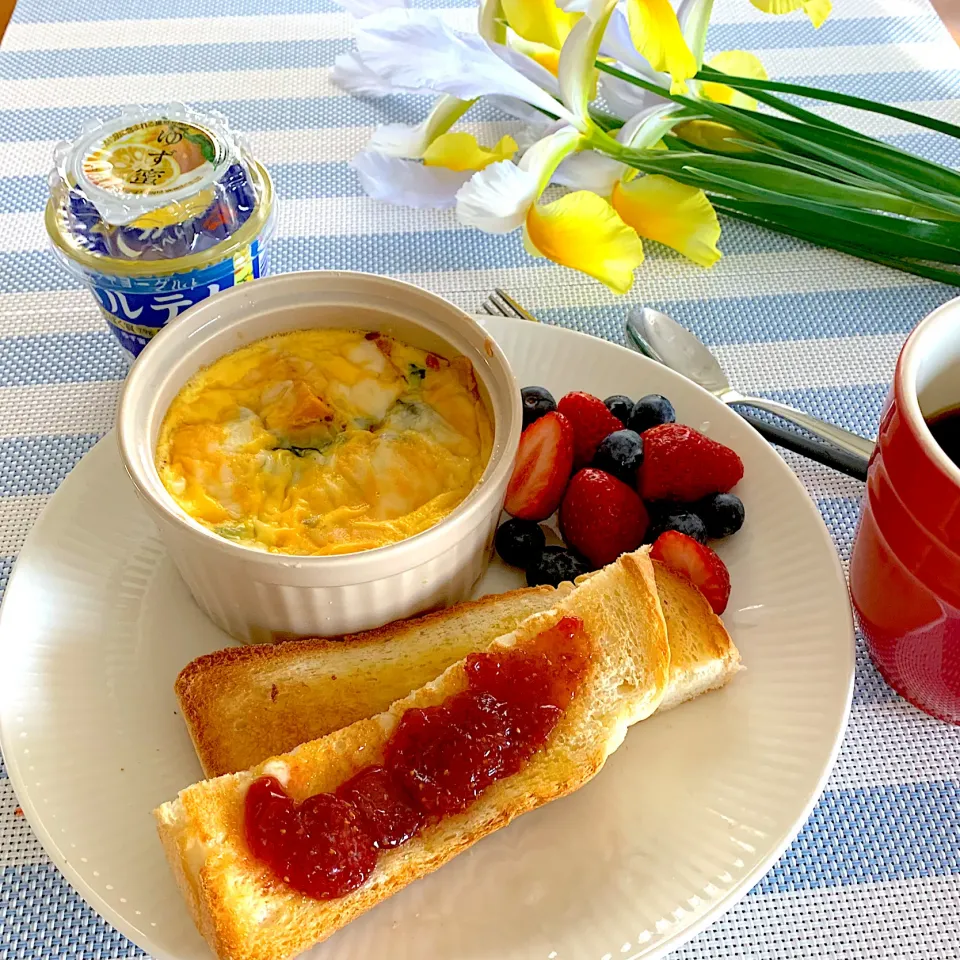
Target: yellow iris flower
<point>539,21</point>
<point>738,63</point>
<point>582,231</point>
<point>816,10</point>
<point>656,34</point>
<point>671,213</point>
<point>548,57</point>
<point>461,151</point>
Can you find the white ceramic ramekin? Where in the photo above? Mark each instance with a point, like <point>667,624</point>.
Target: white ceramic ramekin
<point>258,596</point>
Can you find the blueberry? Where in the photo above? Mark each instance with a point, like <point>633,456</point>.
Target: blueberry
<point>554,565</point>
<point>620,406</point>
<point>536,402</point>
<point>620,453</point>
<point>722,514</point>
<point>684,521</point>
<point>520,542</point>
<point>651,411</point>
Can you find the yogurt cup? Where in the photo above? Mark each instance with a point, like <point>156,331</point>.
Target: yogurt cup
<point>156,210</point>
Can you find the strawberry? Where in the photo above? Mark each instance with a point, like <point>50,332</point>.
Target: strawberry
<point>591,420</point>
<point>707,571</point>
<point>601,517</point>
<point>681,464</point>
<point>544,461</point>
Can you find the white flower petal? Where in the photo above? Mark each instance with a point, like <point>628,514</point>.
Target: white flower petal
<point>589,170</point>
<point>578,56</point>
<point>351,74</point>
<point>648,126</point>
<point>531,135</point>
<point>406,140</point>
<point>416,50</point>
<point>496,199</point>
<point>407,182</point>
<point>532,70</point>
<point>626,100</point>
<point>694,18</point>
<point>520,110</point>
<point>490,23</point>
<point>545,156</point>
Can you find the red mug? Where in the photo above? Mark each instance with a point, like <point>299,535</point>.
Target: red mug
<point>905,565</point>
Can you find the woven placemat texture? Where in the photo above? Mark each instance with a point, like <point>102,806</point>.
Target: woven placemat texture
<point>876,871</point>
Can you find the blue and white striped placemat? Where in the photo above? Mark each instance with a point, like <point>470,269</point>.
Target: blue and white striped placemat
<point>876,872</point>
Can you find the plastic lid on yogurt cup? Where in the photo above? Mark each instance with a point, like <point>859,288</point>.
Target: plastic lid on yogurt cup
<point>153,185</point>
<point>144,160</point>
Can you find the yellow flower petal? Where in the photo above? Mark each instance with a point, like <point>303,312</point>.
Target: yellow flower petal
<point>711,135</point>
<point>548,57</point>
<point>738,63</point>
<point>816,10</point>
<point>541,21</point>
<point>671,213</point>
<point>582,231</point>
<point>460,151</point>
<point>656,34</point>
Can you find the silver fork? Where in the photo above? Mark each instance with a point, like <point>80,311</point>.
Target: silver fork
<point>501,304</point>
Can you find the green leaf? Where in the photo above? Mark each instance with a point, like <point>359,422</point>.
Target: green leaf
<point>783,158</point>
<point>712,75</point>
<point>939,274</point>
<point>203,142</point>
<point>867,157</point>
<point>797,183</point>
<point>883,235</point>
<point>830,96</point>
<point>801,184</point>
<point>786,191</point>
<point>802,137</point>
<point>888,157</point>
<point>605,121</point>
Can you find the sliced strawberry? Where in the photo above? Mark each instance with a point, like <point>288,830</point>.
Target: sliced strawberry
<point>544,461</point>
<point>707,571</point>
<point>591,421</point>
<point>681,464</point>
<point>601,517</point>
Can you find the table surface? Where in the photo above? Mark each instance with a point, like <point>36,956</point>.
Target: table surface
<point>876,871</point>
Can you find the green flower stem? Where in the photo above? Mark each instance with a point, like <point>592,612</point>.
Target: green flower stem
<point>829,96</point>
<point>816,139</point>
<point>815,180</point>
<point>918,269</point>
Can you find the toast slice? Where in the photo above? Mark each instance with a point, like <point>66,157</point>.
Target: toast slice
<point>244,704</point>
<point>247,913</point>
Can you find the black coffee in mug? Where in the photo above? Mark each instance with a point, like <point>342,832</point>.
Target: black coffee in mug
<point>945,427</point>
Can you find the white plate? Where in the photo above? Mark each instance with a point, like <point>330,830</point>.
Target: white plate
<point>683,820</point>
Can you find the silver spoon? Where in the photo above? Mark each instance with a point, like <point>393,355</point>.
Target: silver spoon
<point>664,340</point>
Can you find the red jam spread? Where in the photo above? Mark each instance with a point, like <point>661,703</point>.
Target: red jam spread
<point>319,846</point>
<point>437,762</point>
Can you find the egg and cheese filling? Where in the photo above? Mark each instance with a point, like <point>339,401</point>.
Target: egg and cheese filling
<point>325,442</point>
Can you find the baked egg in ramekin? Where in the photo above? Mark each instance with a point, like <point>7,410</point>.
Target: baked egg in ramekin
<point>396,390</point>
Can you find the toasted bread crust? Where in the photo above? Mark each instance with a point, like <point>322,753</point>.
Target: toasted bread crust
<point>245,703</point>
<point>196,670</point>
<point>284,694</point>
<point>248,914</point>
<point>703,657</point>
